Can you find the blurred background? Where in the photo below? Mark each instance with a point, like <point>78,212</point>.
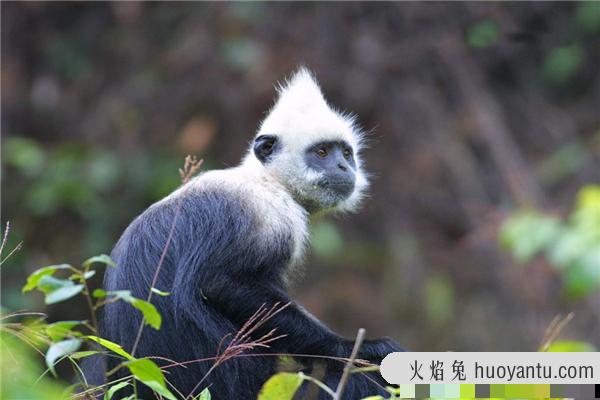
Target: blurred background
<point>484,121</point>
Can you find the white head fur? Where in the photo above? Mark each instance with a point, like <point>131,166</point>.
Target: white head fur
<point>301,117</point>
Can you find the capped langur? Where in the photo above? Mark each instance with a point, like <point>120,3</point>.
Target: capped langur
<point>234,237</point>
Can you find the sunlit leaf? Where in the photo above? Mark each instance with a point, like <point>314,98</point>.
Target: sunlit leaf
<point>281,386</point>
<point>102,258</point>
<point>204,395</point>
<point>160,292</point>
<point>151,314</point>
<point>147,372</point>
<point>60,349</point>
<point>82,354</point>
<point>89,274</point>
<point>63,293</point>
<point>114,389</point>
<point>58,330</point>
<point>49,284</point>
<point>34,279</point>
<point>115,348</point>
<point>566,346</point>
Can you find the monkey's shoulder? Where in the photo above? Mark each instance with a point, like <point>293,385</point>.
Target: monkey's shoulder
<point>234,203</point>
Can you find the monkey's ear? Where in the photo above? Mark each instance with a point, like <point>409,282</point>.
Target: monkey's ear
<point>264,147</point>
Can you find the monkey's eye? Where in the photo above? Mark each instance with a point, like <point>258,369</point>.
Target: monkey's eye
<point>347,154</point>
<point>321,152</point>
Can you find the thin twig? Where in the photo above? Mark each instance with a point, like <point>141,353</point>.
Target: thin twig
<point>360,336</point>
<point>190,168</point>
<point>552,332</point>
<point>5,236</point>
<point>3,244</point>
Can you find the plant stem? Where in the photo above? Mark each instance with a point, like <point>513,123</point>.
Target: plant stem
<point>360,336</point>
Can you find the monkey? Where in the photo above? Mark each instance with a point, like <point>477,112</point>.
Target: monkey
<point>227,242</point>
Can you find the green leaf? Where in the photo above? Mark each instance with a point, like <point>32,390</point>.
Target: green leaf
<point>49,284</point>
<point>89,274</point>
<point>99,293</point>
<point>160,292</point>
<point>281,386</point>
<point>122,294</point>
<point>566,346</point>
<point>34,279</point>
<point>147,372</point>
<point>60,349</point>
<point>204,395</point>
<point>115,348</point>
<point>114,389</point>
<point>151,314</point>
<point>373,398</point>
<point>82,354</point>
<point>63,293</point>
<point>102,258</point>
<point>58,330</point>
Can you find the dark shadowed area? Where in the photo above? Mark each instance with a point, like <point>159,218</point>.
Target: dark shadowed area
<point>476,111</point>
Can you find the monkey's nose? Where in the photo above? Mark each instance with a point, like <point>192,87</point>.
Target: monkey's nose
<point>342,167</point>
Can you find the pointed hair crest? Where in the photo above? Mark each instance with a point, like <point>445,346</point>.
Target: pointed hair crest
<point>301,115</point>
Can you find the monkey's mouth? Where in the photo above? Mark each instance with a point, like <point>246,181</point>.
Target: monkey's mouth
<point>341,187</point>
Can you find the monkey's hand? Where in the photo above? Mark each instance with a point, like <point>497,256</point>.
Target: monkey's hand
<point>375,350</point>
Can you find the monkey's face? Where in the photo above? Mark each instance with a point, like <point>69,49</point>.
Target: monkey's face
<point>320,176</point>
<point>335,168</point>
<point>311,148</point>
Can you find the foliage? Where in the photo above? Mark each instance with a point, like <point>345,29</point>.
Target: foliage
<point>572,245</point>
<point>48,181</point>
<point>64,338</point>
<point>281,386</point>
<point>19,369</point>
<point>566,346</point>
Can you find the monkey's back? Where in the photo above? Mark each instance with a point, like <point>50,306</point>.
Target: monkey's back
<point>202,239</point>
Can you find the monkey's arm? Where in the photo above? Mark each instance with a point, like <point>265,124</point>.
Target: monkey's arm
<point>304,333</point>
<point>227,267</point>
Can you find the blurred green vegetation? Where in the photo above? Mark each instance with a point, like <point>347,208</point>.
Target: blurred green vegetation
<point>22,372</point>
<point>571,246</point>
<point>483,34</point>
<point>93,184</point>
